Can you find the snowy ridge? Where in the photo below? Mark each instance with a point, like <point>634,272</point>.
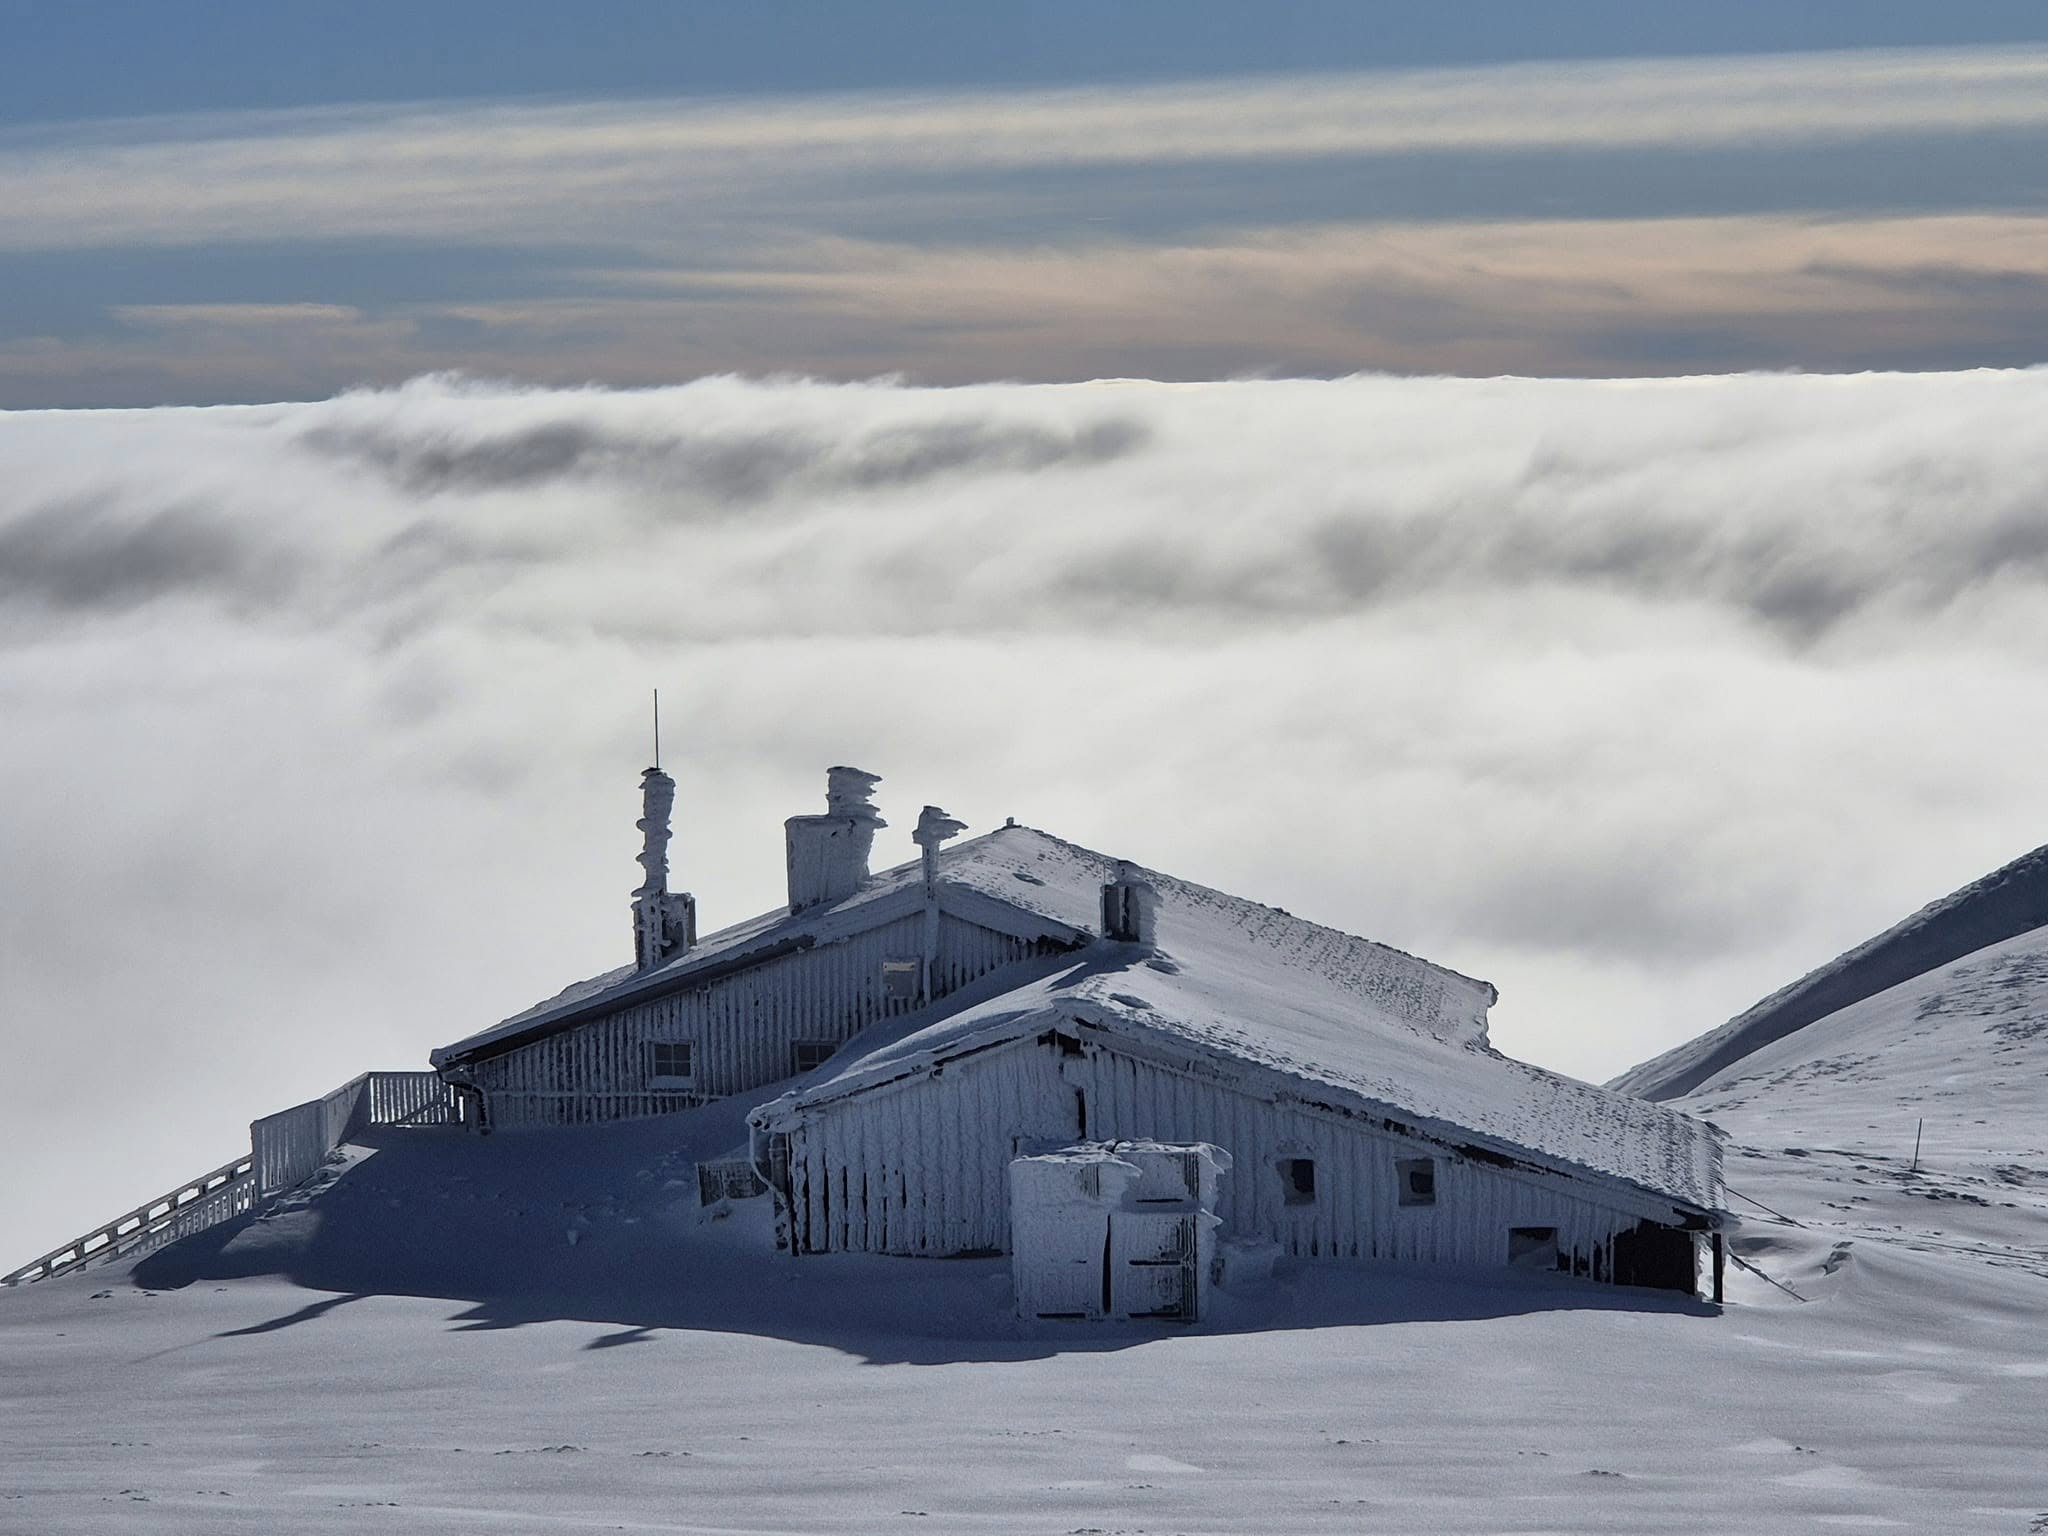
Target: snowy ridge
<point>2010,900</point>
<point>1236,979</point>
<point>1958,1047</point>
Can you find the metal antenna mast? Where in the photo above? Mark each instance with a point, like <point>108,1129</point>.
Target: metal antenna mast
<point>657,728</point>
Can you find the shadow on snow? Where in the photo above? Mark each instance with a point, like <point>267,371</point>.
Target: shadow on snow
<point>600,1225</point>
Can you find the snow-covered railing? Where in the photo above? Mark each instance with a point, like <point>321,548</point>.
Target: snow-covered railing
<point>412,1098</point>
<point>285,1149</point>
<point>290,1145</point>
<point>193,1206</point>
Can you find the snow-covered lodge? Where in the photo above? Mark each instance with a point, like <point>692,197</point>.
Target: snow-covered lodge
<point>912,1032</point>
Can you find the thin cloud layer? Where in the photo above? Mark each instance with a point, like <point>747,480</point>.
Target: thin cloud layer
<point>493,169</point>
<point>733,471</point>
<point>1635,698</point>
<point>1827,210</point>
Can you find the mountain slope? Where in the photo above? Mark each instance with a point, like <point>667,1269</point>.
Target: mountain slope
<point>1914,1119</point>
<point>2007,902</point>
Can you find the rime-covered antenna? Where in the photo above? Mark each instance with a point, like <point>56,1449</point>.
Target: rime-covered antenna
<point>657,727</point>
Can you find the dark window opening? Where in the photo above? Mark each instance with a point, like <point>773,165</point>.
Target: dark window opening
<point>1535,1248</point>
<point>1418,1180</point>
<point>1662,1257</point>
<point>1298,1180</point>
<point>809,1055</point>
<point>669,1059</point>
<point>899,980</point>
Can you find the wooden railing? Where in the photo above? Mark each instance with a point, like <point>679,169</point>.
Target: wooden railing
<point>285,1149</point>
<point>291,1144</point>
<point>193,1206</point>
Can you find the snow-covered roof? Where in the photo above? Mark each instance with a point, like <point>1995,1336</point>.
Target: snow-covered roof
<point>1023,881</point>
<point>985,879</point>
<point>1373,1028</point>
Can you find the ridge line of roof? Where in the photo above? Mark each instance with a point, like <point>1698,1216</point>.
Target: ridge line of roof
<point>1216,890</point>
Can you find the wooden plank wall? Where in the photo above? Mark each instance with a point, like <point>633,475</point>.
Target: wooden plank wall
<point>920,1167</point>
<point>741,1027</point>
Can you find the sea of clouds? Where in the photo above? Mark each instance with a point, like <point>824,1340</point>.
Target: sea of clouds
<point>323,721</point>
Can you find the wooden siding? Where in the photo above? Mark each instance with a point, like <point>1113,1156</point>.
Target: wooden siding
<point>920,1166</point>
<point>742,1027</point>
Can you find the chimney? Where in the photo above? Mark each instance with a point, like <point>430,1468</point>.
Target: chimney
<point>1130,907</point>
<point>664,925</point>
<point>934,826</point>
<point>828,854</point>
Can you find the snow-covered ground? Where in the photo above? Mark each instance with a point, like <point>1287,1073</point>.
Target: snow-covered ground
<point>539,1333</point>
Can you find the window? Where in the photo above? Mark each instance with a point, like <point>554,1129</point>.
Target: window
<point>899,980</point>
<point>1418,1180</point>
<point>1534,1248</point>
<point>1298,1180</point>
<point>669,1061</point>
<point>809,1055</point>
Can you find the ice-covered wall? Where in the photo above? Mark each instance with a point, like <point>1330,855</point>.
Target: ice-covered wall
<point>920,1165</point>
<point>742,1028</point>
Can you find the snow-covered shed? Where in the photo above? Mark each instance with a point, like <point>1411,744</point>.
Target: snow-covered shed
<point>1353,1085</point>
<point>1012,992</point>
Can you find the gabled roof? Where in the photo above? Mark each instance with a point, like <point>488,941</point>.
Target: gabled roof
<point>1302,1008</point>
<point>1022,881</point>
<point>972,885</point>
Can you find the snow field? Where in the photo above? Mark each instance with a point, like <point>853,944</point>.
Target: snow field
<point>418,1345</point>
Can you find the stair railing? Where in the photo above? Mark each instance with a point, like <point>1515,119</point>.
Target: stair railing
<point>285,1149</point>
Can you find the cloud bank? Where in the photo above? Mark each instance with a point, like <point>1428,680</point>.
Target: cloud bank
<point>1636,698</point>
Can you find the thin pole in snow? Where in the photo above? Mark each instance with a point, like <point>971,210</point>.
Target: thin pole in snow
<point>1918,1126</point>
<point>657,728</point>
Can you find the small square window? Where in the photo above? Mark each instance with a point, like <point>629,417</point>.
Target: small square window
<point>669,1060</point>
<point>1298,1180</point>
<point>1418,1180</point>
<point>899,980</point>
<point>1535,1248</point>
<point>809,1055</point>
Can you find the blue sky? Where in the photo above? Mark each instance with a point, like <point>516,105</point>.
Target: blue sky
<point>129,57</point>
<point>243,202</point>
